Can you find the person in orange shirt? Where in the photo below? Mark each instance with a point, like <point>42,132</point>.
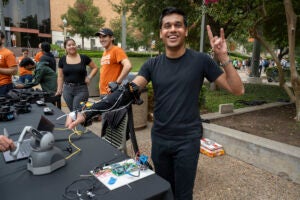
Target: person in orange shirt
<point>115,64</point>
<point>25,75</point>
<point>8,67</point>
<point>39,54</point>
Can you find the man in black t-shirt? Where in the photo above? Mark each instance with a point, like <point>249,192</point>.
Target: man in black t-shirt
<point>177,77</point>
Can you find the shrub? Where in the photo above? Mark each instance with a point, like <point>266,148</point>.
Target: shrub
<point>273,74</point>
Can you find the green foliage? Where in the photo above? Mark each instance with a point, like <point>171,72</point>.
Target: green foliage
<point>133,40</point>
<point>55,47</point>
<point>91,54</point>
<point>239,56</point>
<point>202,96</point>
<point>145,14</point>
<point>139,54</point>
<point>83,19</point>
<point>268,93</point>
<point>273,74</point>
<point>240,17</point>
<point>116,26</point>
<point>137,62</point>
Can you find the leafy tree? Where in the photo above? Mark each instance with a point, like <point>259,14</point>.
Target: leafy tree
<point>83,19</point>
<point>145,14</point>
<point>263,20</point>
<point>259,18</point>
<point>133,39</point>
<point>116,26</point>
<point>291,18</point>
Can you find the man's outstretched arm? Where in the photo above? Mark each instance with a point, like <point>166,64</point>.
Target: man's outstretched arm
<point>123,96</point>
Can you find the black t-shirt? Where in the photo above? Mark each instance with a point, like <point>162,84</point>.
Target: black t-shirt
<point>177,84</point>
<point>74,73</point>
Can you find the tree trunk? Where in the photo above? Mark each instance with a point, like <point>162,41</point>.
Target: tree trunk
<point>291,19</point>
<point>255,59</point>
<point>123,44</point>
<point>2,19</point>
<point>82,42</point>
<point>280,70</point>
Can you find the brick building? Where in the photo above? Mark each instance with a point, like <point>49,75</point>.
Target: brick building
<point>59,7</point>
<point>35,21</point>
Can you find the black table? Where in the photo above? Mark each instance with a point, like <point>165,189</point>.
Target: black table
<point>16,182</point>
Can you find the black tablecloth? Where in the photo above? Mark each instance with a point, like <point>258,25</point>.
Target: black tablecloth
<point>16,182</point>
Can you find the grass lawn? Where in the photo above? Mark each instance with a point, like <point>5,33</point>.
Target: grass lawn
<point>136,62</point>
<point>253,92</point>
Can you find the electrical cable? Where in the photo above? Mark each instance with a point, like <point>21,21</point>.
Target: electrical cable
<point>77,148</point>
<point>106,163</point>
<point>92,110</point>
<point>85,188</point>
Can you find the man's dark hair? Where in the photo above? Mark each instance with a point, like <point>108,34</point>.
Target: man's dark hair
<point>172,10</point>
<point>26,61</point>
<point>45,46</point>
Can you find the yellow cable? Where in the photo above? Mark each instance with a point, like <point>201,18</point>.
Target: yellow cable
<point>60,129</point>
<point>77,148</point>
<point>77,132</point>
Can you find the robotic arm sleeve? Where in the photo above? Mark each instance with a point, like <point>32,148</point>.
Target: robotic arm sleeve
<point>124,95</point>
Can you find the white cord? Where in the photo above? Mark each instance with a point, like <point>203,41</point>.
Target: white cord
<point>93,110</point>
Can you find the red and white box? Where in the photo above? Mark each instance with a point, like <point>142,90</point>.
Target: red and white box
<point>211,148</point>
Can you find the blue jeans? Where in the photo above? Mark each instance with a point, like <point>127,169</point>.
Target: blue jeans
<point>73,95</point>
<point>176,161</point>
<point>4,89</point>
<point>26,78</point>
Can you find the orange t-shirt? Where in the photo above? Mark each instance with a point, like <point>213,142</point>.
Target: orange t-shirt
<point>38,56</point>
<point>22,70</point>
<point>111,67</point>
<point>7,60</point>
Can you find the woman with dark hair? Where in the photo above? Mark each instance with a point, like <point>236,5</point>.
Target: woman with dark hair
<point>72,78</point>
<point>8,67</point>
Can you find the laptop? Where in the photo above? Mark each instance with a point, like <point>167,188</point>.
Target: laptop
<point>25,148</point>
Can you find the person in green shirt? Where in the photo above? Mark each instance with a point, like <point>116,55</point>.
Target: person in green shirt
<point>43,75</point>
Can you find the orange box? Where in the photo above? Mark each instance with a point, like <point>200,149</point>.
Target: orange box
<point>210,153</point>
<point>211,148</point>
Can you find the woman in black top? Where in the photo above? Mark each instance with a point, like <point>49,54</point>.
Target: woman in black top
<point>72,78</point>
